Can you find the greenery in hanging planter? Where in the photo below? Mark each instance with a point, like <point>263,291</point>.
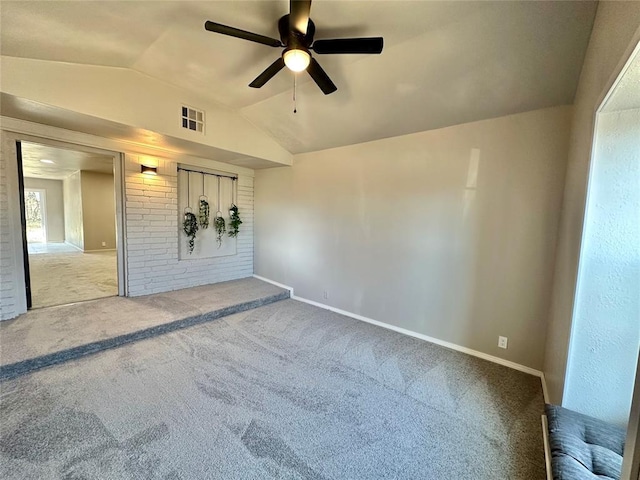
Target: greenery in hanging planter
<point>190,227</point>
<point>203,213</point>
<point>220,227</point>
<point>234,221</point>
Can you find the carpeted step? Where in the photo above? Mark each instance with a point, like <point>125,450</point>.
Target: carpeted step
<point>37,362</point>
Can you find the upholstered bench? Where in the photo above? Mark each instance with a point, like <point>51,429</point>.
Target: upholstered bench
<point>581,447</point>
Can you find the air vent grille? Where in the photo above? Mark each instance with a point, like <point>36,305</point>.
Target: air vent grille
<point>193,119</point>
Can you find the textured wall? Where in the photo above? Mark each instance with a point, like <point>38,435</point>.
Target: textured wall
<point>449,233</point>
<point>606,330</point>
<point>54,205</point>
<point>73,227</point>
<point>615,25</point>
<point>153,233</point>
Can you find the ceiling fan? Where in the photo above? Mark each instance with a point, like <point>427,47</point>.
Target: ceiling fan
<point>296,37</point>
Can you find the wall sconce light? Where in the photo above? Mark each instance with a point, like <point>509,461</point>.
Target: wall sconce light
<point>148,170</point>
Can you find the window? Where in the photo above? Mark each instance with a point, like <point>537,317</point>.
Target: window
<point>35,216</point>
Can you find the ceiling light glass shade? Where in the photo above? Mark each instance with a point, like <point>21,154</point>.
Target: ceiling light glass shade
<point>44,160</point>
<point>296,60</point>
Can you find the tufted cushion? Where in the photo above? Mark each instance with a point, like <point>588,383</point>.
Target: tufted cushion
<point>583,447</point>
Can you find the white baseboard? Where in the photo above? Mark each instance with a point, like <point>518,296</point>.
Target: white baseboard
<point>274,283</point>
<point>547,448</point>
<point>89,251</point>
<point>545,392</point>
<point>442,343</point>
<point>74,246</point>
<point>437,341</point>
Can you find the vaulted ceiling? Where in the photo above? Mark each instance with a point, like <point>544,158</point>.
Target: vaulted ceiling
<point>444,63</point>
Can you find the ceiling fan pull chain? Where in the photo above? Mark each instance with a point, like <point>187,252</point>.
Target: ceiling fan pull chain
<point>295,83</point>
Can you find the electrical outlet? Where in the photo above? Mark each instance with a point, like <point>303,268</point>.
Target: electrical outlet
<point>502,342</point>
<point>325,295</point>
<point>104,244</point>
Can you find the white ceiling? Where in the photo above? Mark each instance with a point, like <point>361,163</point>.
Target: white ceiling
<point>444,63</point>
<point>65,162</point>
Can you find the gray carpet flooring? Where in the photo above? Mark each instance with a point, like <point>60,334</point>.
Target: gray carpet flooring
<point>65,277</point>
<point>285,391</point>
<point>58,330</point>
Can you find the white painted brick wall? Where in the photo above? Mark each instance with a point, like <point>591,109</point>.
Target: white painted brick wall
<point>153,233</point>
<point>8,261</point>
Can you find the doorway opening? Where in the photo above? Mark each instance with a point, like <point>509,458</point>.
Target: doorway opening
<point>69,223</point>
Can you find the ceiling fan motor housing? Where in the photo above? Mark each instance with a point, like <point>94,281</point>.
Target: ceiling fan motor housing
<point>293,39</point>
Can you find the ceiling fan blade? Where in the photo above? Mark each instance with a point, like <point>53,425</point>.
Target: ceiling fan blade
<point>236,32</point>
<point>349,45</point>
<point>268,74</point>
<point>299,11</point>
<point>320,77</point>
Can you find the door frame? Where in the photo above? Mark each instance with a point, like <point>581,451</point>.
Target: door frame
<point>118,180</point>
<point>23,225</point>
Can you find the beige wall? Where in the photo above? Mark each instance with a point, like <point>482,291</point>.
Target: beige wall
<point>54,206</point>
<point>73,228</point>
<point>449,233</point>
<point>98,211</point>
<point>615,26</point>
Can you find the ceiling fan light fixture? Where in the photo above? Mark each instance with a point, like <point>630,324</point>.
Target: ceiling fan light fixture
<point>296,59</point>
<point>297,32</point>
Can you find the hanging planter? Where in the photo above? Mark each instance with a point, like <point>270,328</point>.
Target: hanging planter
<point>203,210</point>
<point>190,228</point>
<point>234,216</point>
<point>190,222</point>
<point>203,213</point>
<point>220,227</point>
<point>234,221</point>
<point>219,223</point>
